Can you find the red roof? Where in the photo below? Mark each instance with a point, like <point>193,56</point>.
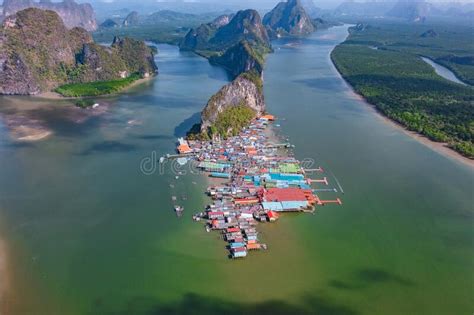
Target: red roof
<point>288,194</point>
<point>239,249</point>
<point>272,214</point>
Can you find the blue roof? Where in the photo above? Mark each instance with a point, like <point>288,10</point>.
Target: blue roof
<point>291,205</point>
<point>286,177</point>
<point>274,206</point>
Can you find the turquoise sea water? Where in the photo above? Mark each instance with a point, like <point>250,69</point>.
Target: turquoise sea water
<point>89,233</point>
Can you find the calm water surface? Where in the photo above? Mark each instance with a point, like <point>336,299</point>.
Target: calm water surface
<point>90,234</point>
<point>443,71</point>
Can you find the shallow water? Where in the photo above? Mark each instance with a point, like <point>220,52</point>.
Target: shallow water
<point>89,233</point>
<point>443,71</point>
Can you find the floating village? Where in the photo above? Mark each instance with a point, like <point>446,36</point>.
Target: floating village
<point>253,180</point>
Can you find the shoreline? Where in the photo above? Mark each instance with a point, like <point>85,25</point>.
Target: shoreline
<point>253,182</point>
<point>51,95</point>
<point>438,147</point>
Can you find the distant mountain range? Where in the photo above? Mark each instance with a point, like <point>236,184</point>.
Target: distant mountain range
<point>227,31</point>
<point>161,17</point>
<point>411,10</point>
<point>289,18</point>
<point>72,13</point>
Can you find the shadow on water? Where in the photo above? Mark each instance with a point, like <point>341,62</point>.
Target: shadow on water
<point>367,277</point>
<point>109,147</point>
<point>193,303</point>
<point>185,125</point>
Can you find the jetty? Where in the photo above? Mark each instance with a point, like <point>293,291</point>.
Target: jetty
<point>251,184</point>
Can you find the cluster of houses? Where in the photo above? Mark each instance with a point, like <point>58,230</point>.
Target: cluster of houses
<point>253,180</point>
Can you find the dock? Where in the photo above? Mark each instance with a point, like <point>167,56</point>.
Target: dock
<point>259,185</point>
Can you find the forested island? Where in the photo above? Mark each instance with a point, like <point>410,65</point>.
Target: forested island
<point>239,43</point>
<point>382,62</point>
<point>40,54</point>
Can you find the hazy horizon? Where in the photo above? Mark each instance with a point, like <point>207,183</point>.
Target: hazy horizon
<point>260,4</point>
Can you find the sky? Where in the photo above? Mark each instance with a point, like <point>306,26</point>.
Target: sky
<point>325,4</point>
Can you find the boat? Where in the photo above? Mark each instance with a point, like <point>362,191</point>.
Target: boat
<point>179,210</point>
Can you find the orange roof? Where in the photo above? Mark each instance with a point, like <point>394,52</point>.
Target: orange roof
<point>184,148</point>
<point>268,117</point>
<point>253,246</point>
<point>289,194</point>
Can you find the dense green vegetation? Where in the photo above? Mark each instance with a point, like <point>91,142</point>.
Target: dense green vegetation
<point>96,88</point>
<point>228,123</point>
<point>166,33</point>
<point>231,121</point>
<point>405,88</point>
<point>254,76</point>
<point>160,27</point>
<point>40,54</point>
<point>446,44</point>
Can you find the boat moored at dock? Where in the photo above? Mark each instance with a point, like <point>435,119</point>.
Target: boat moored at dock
<point>261,181</point>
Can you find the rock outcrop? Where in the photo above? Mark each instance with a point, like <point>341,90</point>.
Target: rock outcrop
<point>219,35</point>
<point>246,90</point>
<point>132,19</point>
<point>109,23</point>
<point>288,18</point>
<point>38,53</point>
<point>239,44</point>
<point>72,13</point>
<point>240,58</point>
<point>222,20</point>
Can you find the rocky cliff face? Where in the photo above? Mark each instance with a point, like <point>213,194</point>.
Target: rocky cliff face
<point>289,18</point>
<point>240,58</point>
<point>222,20</point>
<point>131,19</point>
<point>198,38</point>
<point>244,90</point>
<point>245,25</point>
<point>73,14</point>
<point>220,35</point>
<point>239,44</point>
<point>38,53</point>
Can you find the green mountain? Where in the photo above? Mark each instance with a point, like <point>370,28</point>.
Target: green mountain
<point>241,57</point>
<point>38,54</point>
<point>132,19</point>
<point>110,23</point>
<point>218,36</point>
<point>72,13</point>
<point>288,18</point>
<point>237,42</point>
<point>232,107</point>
